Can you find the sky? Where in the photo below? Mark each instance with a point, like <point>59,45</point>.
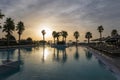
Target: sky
<point>58,15</point>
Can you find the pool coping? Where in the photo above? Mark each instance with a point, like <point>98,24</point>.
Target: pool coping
<point>109,62</point>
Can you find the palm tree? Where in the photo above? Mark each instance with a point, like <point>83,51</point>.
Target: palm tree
<point>100,29</point>
<point>88,36</point>
<point>9,27</point>
<point>1,16</point>
<point>54,35</point>
<point>20,28</point>
<point>114,32</point>
<point>76,35</point>
<point>43,33</point>
<point>64,35</point>
<point>58,35</point>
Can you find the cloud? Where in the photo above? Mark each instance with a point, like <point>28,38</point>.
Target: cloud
<point>84,14</point>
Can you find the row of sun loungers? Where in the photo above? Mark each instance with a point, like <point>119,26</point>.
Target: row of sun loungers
<point>107,49</point>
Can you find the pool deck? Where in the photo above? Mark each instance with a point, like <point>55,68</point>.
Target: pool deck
<point>111,63</point>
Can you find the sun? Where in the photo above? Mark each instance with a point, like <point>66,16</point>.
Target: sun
<point>47,29</point>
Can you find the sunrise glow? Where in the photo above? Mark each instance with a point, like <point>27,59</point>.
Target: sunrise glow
<point>48,30</point>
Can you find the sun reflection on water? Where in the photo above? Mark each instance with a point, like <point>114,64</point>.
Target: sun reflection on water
<point>45,54</point>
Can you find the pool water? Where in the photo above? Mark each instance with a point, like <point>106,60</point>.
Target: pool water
<point>46,63</point>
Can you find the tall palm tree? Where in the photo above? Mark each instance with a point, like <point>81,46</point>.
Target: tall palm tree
<point>58,35</point>
<point>88,36</point>
<point>54,35</point>
<point>100,30</point>
<point>64,35</point>
<point>76,35</point>
<point>43,33</point>
<point>114,32</point>
<point>1,16</point>
<point>20,28</point>
<point>9,27</point>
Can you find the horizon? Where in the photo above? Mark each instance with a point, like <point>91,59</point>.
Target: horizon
<point>51,15</point>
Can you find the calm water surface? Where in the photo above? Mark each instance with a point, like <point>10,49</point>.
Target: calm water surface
<point>45,63</point>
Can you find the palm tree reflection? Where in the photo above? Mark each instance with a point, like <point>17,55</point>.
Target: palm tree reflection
<point>10,67</point>
<point>19,57</point>
<point>76,56</point>
<point>8,56</point>
<point>60,57</point>
<point>88,55</point>
<point>64,56</point>
<point>9,52</point>
<point>43,58</point>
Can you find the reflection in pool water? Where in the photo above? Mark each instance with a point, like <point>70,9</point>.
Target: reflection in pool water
<point>45,63</point>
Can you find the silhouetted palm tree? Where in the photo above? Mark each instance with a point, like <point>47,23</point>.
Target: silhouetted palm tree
<point>1,16</point>
<point>100,29</point>
<point>58,35</point>
<point>88,36</point>
<point>54,35</point>
<point>114,32</point>
<point>20,28</point>
<point>43,33</point>
<point>9,27</point>
<point>76,35</point>
<point>64,35</point>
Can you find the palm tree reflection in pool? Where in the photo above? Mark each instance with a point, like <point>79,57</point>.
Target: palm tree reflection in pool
<point>88,55</point>
<point>58,57</point>
<point>19,57</point>
<point>43,58</point>
<point>9,54</point>
<point>76,56</point>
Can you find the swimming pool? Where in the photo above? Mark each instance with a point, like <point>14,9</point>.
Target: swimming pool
<point>46,63</point>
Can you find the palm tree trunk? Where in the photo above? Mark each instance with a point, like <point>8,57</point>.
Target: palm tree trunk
<point>57,39</point>
<point>54,40</point>
<point>19,38</point>
<point>7,41</point>
<point>88,40</point>
<point>43,38</point>
<point>76,42</point>
<point>100,36</point>
<point>65,40</point>
<point>8,35</point>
